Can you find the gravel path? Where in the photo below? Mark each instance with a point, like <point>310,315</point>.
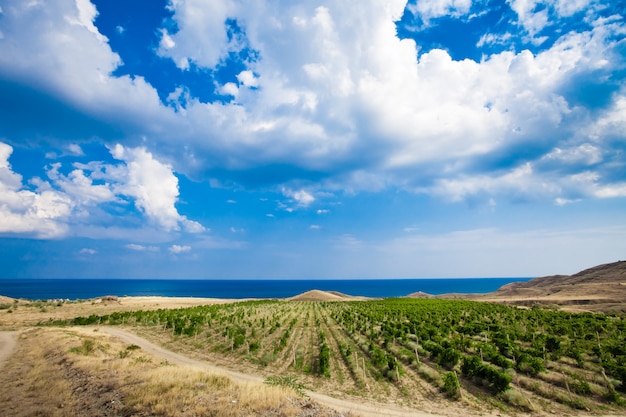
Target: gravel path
<point>363,408</point>
<point>7,344</point>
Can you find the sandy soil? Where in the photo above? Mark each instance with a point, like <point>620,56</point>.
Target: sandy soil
<point>7,345</point>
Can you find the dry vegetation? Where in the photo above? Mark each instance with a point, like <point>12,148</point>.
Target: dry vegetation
<point>81,372</point>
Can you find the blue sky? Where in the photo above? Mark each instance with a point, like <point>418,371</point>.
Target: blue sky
<point>311,139</point>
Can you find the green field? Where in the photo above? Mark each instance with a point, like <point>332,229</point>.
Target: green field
<point>408,351</point>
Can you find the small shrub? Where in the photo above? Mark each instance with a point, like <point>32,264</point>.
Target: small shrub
<point>515,398</point>
<point>254,346</point>
<point>289,381</point>
<point>580,386</point>
<point>451,385</point>
<point>87,346</point>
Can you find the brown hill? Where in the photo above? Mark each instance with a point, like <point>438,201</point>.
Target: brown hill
<point>419,294</point>
<point>602,287</point>
<point>317,295</point>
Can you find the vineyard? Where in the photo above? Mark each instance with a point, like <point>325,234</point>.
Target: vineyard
<point>412,352</point>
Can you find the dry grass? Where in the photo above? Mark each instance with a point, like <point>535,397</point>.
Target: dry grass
<point>78,372</point>
<point>187,392</point>
<point>20,313</point>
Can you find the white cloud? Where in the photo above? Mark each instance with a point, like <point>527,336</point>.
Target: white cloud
<point>176,249</point>
<point>302,197</point>
<point>154,187</point>
<point>79,187</point>
<point>86,15</point>
<point>75,149</point>
<point>39,214</point>
<point>229,89</point>
<point>201,37</point>
<point>586,154</point>
<point>166,41</point>
<point>570,7</point>
<point>142,248</point>
<point>88,251</point>
<point>248,79</point>
<point>431,9</point>
<point>336,95</point>
<point>57,206</point>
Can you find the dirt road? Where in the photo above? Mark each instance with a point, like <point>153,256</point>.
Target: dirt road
<point>363,408</point>
<point>7,344</point>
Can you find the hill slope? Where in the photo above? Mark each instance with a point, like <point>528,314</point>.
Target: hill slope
<point>602,287</point>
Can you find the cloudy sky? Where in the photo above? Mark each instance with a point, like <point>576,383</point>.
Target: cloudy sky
<point>311,139</point>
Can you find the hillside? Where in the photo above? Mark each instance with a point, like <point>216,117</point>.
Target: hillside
<point>602,287</point>
<point>317,295</point>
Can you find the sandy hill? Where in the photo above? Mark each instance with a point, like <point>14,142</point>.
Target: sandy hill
<point>602,287</point>
<point>317,295</point>
<point>419,294</point>
<point>6,300</point>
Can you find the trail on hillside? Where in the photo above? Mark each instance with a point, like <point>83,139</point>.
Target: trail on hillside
<point>7,345</point>
<point>361,408</point>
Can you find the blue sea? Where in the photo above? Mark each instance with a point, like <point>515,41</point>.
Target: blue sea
<point>74,289</point>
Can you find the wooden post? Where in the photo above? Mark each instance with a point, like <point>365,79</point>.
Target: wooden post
<point>567,386</point>
<point>364,380</point>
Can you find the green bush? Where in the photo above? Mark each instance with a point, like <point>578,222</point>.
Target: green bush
<point>451,384</point>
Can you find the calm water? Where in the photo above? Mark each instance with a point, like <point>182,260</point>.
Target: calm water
<point>44,289</point>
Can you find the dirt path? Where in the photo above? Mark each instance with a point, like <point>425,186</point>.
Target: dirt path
<point>361,408</point>
<point>7,344</point>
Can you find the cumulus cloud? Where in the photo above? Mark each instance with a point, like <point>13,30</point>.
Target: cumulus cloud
<point>88,251</point>
<point>53,207</point>
<point>153,186</point>
<point>302,197</point>
<point>40,214</point>
<point>339,101</point>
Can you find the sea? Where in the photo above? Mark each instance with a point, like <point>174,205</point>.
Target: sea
<point>84,289</point>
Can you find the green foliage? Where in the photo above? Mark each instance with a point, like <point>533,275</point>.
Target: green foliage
<point>324,360</point>
<point>530,365</point>
<point>87,347</point>
<point>474,367</point>
<point>449,357</point>
<point>451,384</point>
<point>288,381</point>
<point>254,346</point>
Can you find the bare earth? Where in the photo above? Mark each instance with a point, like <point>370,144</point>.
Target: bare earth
<point>7,345</point>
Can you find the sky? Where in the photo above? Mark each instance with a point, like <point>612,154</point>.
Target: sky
<point>311,139</point>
